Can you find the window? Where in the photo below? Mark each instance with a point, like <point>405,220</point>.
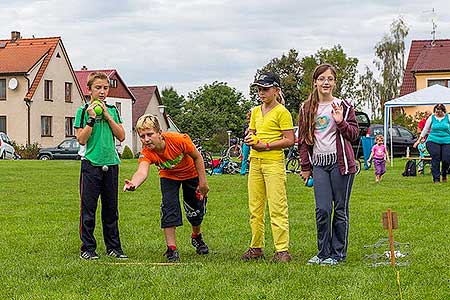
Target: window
<point>46,126</point>
<point>70,131</point>
<point>443,82</point>
<point>3,124</point>
<point>68,91</point>
<point>119,107</point>
<point>48,90</point>
<point>393,132</point>
<point>405,133</point>
<point>2,89</point>
<point>113,83</point>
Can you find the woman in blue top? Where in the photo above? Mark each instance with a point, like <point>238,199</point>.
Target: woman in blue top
<point>438,142</point>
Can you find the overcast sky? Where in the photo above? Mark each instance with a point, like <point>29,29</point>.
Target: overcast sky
<point>186,44</point>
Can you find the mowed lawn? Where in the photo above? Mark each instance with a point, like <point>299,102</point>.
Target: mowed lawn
<point>39,244</point>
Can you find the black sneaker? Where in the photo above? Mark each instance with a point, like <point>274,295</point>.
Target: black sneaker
<point>116,254</point>
<point>172,255</point>
<point>88,255</point>
<point>200,245</point>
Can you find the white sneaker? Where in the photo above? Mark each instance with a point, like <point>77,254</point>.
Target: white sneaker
<point>315,260</point>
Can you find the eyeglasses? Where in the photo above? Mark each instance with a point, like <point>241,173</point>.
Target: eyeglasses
<point>323,79</point>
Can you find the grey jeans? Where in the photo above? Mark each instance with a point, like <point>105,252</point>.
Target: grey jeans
<point>332,194</point>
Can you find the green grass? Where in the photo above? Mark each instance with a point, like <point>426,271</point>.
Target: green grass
<point>39,258</point>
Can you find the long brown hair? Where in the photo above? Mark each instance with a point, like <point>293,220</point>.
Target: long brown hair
<point>311,104</point>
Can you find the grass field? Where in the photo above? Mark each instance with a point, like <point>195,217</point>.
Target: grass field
<point>39,214</point>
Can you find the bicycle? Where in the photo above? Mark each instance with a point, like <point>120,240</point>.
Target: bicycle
<point>234,150</point>
<point>357,160</point>
<point>293,160</point>
<point>225,165</point>
<point>206,155</point>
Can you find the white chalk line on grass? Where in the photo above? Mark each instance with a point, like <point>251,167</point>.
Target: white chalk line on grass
<point>149,264</point>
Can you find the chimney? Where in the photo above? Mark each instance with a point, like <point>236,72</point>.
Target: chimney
<point>15,35</point>
<point>83,68</point>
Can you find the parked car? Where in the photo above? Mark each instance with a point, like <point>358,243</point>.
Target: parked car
<point>363,123</point>
<point>68,149</point>
<point>6,148</point>
<point>402,138</point>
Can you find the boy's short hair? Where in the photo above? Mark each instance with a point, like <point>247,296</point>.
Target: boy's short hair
<point>94,76</point>
<point>148,121</point>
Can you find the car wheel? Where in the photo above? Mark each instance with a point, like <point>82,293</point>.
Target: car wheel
<point>45,157</point>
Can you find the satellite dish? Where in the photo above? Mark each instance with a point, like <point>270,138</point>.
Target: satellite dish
<point>13,83</point>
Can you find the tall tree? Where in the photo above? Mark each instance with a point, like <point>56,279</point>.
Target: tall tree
<point>368,94</point>
<point>390,53</point>
<point>173,102</point>
<point>213,109</point>
<point>289,68</point>
<point>295,74</point>
<point>345,67</point>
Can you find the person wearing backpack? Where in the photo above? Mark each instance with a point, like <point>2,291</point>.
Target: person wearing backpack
<point>438,142</point>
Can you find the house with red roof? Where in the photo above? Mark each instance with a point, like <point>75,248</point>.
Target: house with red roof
<point>119,95</point>
<point>148,101</point>
<point>428,64</point>
<point>39,93</point>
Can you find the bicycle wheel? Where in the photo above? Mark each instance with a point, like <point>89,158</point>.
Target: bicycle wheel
<point>358,166</point>
<point>231,168</point>
<point>207,160</point>
<point>234,151</point>
<point>293,165</point>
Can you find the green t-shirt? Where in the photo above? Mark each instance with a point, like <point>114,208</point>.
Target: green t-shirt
<point>100,147</point>
<point>269,128</point>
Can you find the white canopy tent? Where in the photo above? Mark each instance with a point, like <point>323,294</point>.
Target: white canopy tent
<point>428,96</point>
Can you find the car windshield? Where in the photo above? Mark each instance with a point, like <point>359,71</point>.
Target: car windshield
<point>380,131</point>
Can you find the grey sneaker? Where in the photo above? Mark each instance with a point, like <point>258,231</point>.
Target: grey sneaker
<point>88,255</point>
<point>172,255</point>
<point>329,262</point>
<point>116,254</point>
<point>315,260</point>
<point>200,245</point>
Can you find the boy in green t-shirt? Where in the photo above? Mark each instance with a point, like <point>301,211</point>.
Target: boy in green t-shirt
<point>96,126</point>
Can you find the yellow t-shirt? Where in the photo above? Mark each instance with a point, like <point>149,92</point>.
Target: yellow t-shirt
<point>269,128</point>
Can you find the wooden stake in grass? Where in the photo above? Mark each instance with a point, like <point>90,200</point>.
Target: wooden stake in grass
<point>390,222</point>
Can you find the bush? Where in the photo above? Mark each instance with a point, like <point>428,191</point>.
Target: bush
<point>127,153</point>
<point>27,151</point>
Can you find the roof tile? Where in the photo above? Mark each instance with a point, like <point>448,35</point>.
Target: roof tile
<point>424,57</point>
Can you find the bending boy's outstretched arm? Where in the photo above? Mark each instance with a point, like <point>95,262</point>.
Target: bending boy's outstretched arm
<point>138,178</point>
<point>200,167</point>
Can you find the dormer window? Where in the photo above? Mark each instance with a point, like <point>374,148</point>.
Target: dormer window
<point>443,82</point>
<point>113,83</point>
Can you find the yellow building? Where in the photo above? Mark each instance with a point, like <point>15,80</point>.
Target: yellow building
<point>428,64</point>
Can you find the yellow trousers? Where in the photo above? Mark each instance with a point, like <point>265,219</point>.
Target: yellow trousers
<point>267,183</point>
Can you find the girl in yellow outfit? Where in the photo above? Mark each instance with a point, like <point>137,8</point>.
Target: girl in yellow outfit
<point>270,131</point>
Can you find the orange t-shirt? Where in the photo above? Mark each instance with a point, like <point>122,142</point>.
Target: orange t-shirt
<point>175,163</point>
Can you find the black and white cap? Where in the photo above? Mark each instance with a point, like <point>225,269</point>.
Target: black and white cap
<point>267,80</point>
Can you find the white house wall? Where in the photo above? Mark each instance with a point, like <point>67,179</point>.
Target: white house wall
<point>126,115</point>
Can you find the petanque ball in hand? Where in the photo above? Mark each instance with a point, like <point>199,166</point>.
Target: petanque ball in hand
<point>309,182</point>
<point>255,139</point>
<point>98,110</point>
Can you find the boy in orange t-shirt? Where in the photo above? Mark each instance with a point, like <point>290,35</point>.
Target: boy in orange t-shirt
<point>179,164</point>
